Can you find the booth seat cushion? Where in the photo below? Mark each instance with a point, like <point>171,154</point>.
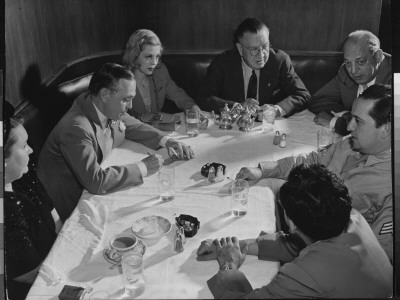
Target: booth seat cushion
<point>187,68</point>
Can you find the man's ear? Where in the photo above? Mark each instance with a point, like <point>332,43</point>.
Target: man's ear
<point>387,130</point>
<point>104,94</point>
<point>378,56</point>
<point>239,47</point>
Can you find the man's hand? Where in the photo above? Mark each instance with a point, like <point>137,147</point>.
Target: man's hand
<point>323,119</point>
<point>252,175</point>
<point>208,250</point>
<point>180,148</point>
<point>269,106</point>
<point>252,104</point>
<point>229,254</point>
<point>153,163</point>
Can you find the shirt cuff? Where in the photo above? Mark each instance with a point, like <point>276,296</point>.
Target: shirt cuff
<point>164,141</point>
<point>332,123</point>
<point>142,167</point>
<point>282,112</point>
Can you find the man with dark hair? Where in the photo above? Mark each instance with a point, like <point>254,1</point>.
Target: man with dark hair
<point>253,74</point>
<point>341,257</point>
<point>96,123</point>
<point>364,65</point>
<point>362,160</point>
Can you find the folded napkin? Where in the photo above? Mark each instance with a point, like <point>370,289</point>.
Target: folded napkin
<point>80,236</point>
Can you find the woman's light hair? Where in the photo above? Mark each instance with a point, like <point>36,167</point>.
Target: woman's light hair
<point>135,45</point>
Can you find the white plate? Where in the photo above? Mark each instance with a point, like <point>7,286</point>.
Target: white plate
<point>140,247</point>
<point>151,227</point>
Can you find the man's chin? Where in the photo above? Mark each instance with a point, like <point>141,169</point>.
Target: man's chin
<point>353,143</point>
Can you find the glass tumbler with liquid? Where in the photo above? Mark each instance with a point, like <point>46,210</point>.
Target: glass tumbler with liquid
<point>192,122</point>
<point>166,183</point>
<point>132,272</point>
<point>268,120</point>
<point>240,191</point>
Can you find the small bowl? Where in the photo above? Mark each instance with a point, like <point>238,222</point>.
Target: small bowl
<point>151,227</point>
<point>109,253</point>
<point>189,223</point>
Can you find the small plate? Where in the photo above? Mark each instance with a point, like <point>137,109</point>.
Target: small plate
<point>140,247</point>
<point>152,227</point>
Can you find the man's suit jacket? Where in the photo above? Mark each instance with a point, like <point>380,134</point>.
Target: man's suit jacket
<point>339,94</point>
<point>278,83</point>
<point>161,86</point>
<point>351,265</point>
<point>70,159</point>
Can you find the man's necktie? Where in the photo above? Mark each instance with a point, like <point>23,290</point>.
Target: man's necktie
<point>252,87</point>
<point>353,161</point>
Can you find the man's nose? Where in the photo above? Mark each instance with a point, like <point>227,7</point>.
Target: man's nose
<point>354,68</point>
<point>350,125</point>
<point>129,104</point>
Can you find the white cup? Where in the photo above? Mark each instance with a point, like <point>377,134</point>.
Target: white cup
<point>240,191</point>
<point>121,243</point>
<point>268,120</point>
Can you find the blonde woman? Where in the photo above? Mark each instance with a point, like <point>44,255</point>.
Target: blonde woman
<point>153,83</point>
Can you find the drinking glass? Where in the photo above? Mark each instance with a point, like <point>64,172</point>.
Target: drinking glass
<point>325,136</point>
<point>240,191</point>
<point>133,276</point>
<point>268,120</point>
<point>192,122</point>
<point>166,183</point>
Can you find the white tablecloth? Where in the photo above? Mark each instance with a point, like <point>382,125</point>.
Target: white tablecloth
<point>77,255</point>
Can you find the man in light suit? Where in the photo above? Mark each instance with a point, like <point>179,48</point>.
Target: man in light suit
<point>253,70</point>
<point>96,123</point>
<point>364,64</point>
<point>341,257</point>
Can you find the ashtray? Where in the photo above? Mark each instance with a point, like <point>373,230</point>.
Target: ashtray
<point>109,254</point>
<point>151,227</point>
<point>207,166</point>
<point>189,223</point>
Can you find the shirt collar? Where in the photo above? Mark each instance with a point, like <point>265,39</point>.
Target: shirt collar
<point>247,70</point>
<point>103,119</point>
<point>361,86</point>
<point>379,158</point>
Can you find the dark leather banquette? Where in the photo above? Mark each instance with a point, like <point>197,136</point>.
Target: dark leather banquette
<point>187,68</point>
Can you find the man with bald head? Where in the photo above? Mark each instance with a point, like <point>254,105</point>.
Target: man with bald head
<point>364,65</point>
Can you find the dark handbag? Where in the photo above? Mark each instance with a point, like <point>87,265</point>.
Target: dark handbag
<point>161,121</point>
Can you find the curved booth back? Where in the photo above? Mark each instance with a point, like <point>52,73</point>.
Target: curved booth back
<point>187,68</point>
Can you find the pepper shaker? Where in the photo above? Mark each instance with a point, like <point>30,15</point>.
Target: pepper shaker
<point>220,174</point>
<point>282,143</point>
<point>211,174</point>
<point>277,138</point>
<point>178,242</point>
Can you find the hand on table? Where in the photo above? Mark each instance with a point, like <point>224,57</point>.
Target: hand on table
<point>208,250</point>
<point>153,163</point>
<point>323,119</point>
<point>251,175</point>
<point>181,149</point>
<point>229,254</point>
<point>269,106</point>
<point>252,104</point>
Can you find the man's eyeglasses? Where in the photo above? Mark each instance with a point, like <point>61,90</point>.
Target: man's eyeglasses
<point>255,51</point>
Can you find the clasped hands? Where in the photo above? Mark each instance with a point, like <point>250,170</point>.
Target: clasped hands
<point>253,106</point>
<point>229,253</point>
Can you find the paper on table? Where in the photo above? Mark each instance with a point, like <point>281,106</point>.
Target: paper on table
<point>76,242</point>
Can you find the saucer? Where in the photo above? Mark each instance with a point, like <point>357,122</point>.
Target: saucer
<point>151,227</point>
<point>140,247</point>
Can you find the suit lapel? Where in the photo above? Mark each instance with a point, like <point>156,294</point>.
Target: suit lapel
<point>237,78</point>
<point>137,103</point>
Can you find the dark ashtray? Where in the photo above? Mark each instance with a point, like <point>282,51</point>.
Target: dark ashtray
<point>190,224</point>
<point>204,169</point>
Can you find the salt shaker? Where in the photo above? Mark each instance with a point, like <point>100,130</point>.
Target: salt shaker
<point>178,242</point>
<point>277,138</point>
<point>220,174</point>
<point>282,143</point>
<point>211,174</point>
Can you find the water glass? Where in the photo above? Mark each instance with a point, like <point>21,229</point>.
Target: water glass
<point>268,120</point>
<point>192,122</point>
<point>132,272</point>
<point>166,183</point>
<point>324,137</point>
<point>240,191</point>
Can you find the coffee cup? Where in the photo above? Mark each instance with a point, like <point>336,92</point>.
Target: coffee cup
<point>121,243</point>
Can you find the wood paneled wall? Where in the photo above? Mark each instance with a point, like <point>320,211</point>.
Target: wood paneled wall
<point>43,34</point>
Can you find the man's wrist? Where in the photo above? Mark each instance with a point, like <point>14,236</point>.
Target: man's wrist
<point>228,266</point>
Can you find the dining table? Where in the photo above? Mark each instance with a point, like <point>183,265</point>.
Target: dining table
<point>77,257</point>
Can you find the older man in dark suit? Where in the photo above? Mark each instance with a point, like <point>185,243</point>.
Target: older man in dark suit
<point>253,71</point>
<point>96,123</point>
